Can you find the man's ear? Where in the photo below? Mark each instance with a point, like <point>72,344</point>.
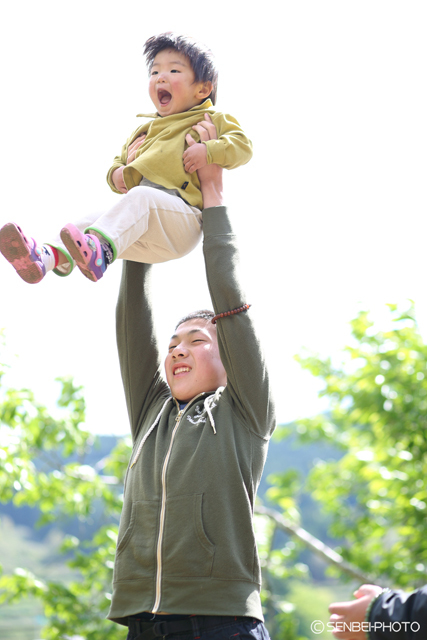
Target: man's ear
<point>205,89</point>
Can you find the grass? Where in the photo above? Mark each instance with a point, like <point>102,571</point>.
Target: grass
<point>24,620</point>
<point>311,602</point>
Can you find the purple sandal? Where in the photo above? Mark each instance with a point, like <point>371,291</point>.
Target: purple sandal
<point>24,255</point>
<point>86,250</point>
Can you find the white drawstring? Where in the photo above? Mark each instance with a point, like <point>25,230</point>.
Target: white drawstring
<point>209,401</point>
<point>208,404</point>
<point>141,444</point>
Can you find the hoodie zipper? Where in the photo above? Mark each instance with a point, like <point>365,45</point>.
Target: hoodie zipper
<point>163,507</point>
<point>162,515</point>
<point>163,482</point>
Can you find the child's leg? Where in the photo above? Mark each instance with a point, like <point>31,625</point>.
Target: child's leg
<point>92,255</point>
<point>30,261</point>
<point>66,265</point>
<point>150,225</point>
<point>146,225</point>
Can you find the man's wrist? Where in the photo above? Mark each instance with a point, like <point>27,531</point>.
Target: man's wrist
<point>212,196</point>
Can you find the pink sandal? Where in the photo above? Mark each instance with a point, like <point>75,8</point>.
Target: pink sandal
<point>86,250</point>
<point>24,255</point>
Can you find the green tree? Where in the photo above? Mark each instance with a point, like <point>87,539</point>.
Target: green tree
<point>377,491</point>
<point>32,472</point>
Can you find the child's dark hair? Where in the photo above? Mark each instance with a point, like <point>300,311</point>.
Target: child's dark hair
<point>204,314</point>
<point>201,58</point>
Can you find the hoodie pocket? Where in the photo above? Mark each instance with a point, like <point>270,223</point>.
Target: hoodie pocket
<point>187,551</point>
<point>135,555</point>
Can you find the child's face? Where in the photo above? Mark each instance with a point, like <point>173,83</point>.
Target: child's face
<point>172,87</point>
<point>193,364</point>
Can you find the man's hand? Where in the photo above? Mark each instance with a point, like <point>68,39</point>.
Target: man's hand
<point>349,616</point>
<point>133,148</point>
<point>117,178</point>
<point>206,129</point>
<point>210,175</point>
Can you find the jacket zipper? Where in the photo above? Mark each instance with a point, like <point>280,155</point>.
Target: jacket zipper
<point>162,515</point>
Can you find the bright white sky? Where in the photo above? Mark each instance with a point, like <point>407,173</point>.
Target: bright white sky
<point>331,210</point>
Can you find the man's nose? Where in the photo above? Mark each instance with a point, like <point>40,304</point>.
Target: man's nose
<point>179,351</point>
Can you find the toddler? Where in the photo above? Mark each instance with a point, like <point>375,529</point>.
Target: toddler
<point>159,217</point>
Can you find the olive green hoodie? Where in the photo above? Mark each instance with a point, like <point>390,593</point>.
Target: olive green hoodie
<point>186,542</point>
<point>159,158</point>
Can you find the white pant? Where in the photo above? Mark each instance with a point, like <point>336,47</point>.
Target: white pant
<point>146,225</point>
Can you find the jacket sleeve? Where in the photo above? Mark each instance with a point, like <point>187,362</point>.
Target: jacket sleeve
<point>232,148</point>
<point>121,159</point>
<point>398,615</point>
<point>240,350</point>
<point>139,355</point>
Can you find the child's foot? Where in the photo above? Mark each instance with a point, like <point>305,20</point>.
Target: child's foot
<point>22,253</point>
<point>86,250</point>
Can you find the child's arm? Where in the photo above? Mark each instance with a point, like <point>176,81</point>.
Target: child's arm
<point>115,174</point>
<point>133,148</point>
<point>118,180</point>
<point>229,150</point>
<point>118,164</point>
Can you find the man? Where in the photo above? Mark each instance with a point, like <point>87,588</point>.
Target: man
<point>186,559</point>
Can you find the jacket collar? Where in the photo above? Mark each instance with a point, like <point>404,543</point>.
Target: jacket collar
<point>206,104</point>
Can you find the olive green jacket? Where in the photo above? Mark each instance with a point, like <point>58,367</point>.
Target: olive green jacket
<point>160,156</point>
<point>186,542</point>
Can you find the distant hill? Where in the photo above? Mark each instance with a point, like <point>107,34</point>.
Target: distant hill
<point>282,456</point>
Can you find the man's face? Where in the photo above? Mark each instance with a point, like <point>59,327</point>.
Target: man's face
<point>193,364</point>
<point>172,87</point>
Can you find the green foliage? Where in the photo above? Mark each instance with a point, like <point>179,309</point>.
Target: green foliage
<point>33,473</point>
<point>377,492</point>
<point>279,566</point>
<point>282,492</point>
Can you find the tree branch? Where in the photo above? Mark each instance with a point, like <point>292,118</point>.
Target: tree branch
<point>314,544</point>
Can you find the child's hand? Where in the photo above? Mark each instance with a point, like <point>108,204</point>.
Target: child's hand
<point>195,157</point>
<point>133,148</point>
<point>348,616</point>
<point>118,181</point>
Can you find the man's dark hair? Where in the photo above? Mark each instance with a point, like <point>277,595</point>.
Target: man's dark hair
<point>205,314</point>
<point>200,57</point>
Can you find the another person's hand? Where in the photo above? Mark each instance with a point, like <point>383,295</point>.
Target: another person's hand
<point>133,148</point>
<point>206,129</point>
<point>349,616</point>
<point>117,178</point>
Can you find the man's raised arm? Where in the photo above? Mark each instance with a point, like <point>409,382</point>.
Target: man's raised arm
<point>241,354</point>
<point>210,176</point>
<point>139,355</point>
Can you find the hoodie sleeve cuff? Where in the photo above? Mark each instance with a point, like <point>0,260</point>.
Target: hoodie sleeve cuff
<point>216,222</point>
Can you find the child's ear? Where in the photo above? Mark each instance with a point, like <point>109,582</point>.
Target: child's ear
<point>205,89</point>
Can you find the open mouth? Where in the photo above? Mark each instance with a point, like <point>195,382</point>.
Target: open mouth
<point>164,96</point>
